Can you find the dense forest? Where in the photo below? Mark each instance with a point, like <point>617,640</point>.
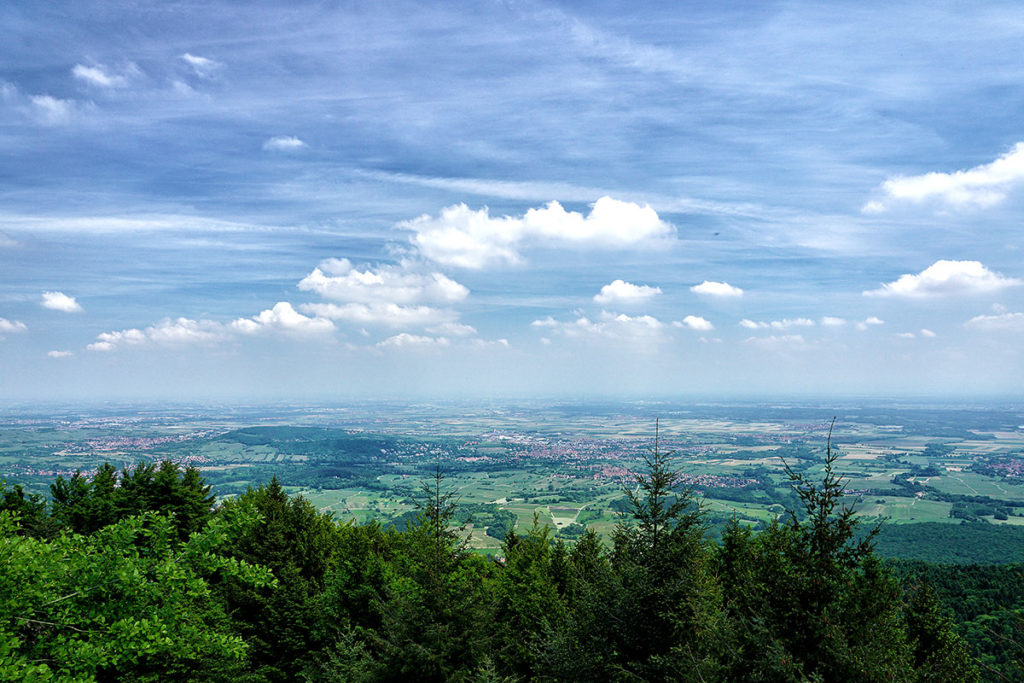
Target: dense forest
<point>140,574</point>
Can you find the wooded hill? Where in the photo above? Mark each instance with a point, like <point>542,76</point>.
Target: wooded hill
<point>140,574</point>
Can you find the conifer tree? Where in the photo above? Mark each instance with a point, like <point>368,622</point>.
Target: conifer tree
<point>668,611</point>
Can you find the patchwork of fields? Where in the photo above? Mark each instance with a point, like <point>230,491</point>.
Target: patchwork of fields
<point>563,466</point>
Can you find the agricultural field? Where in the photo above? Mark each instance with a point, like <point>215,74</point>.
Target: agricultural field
<point>565,466</point>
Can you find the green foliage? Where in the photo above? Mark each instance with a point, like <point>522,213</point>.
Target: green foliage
<point>131,600</point>
<point>527,601</point>
<point>810,599</point>
<point>85,505</point>
<point>941,543</point>
<point>667,617</point>
<point>30,509</point>
<point>428,607</point>
<point>939,654</point>
<point>297,544</point>
<point>986,604</point>
<point>136,576</point>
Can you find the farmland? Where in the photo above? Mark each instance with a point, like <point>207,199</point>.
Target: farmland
<point>567,466</point>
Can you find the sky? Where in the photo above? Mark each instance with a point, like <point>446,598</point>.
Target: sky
<point>275,201</point>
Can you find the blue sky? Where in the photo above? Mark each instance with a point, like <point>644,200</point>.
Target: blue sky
<point>280,201</point>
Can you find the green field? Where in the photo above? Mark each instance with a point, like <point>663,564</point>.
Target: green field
<point>563,465</point>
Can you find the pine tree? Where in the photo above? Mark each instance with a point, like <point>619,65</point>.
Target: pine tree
<point>668,605</point>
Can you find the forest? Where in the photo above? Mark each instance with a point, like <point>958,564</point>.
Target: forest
<point>141,574</point>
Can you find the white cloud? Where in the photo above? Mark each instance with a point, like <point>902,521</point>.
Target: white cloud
<point>609,325</point>
<point>59,354</point>
<point>488,343</point>
<point>621,292</point>
<point>1001,321</point>
<point>203,67</point>
<point>829,321</point>
<point>465,238</point>
<point>982,186</point>
<point>167,332</point>
<point>11,326</point>
<point>928,334</point>
<point>695,322</point>
<point>783,324</point>
<point>870,321</point>
<point>406,340</point>
<point>453,329</point>
<point>283,318</point>
<point>101,77</point>
<point>906,335</point>
<point>788,340</point>
<point>52,111</point>
<point>721,289</point>
<point>59,301</point>
<point>946,278</point>
<point>392,315</point>
<point>110,224</point>
<point>337,279</point>
<point>283,144</point>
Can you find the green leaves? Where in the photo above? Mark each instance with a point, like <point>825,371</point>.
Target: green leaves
<point>130,598</point>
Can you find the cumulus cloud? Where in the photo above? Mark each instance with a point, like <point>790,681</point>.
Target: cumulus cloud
<point>783,324</point>
<point>905,335</point>
<point>695,322</point>
<point>981,186</point>
<point>100,76</point>
<point>414,341</point>
<point>167,332</point>
<point>11,326</point>
<point>204,67</point>
<point>870,321</point>
<point>946,278</point>
<point>465,238</point>
<point>283,144</point>
<point>609,325</point>
<point>337,279</point>
<point>59,301</point>
<point>829,321</point>
<point>283,318</point>
<point>59,354</point>
<point>388,314</point>
<point>720,289</point>
<point>621,292</point>
<point>926,333</point>
<point>999,322</point>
